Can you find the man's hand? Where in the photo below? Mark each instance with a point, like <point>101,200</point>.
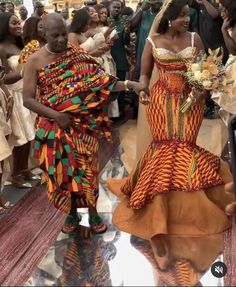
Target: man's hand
<point>63,119</point>
<point>127,27</point>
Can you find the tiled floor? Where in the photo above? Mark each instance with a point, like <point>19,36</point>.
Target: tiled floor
<point>118,259</point>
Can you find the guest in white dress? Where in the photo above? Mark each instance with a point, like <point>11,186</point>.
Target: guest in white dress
<point>22,124</point>
<point>109,64</point>
<point>6,104</point>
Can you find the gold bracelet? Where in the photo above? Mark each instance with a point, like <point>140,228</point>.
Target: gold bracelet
<point>126,85</point>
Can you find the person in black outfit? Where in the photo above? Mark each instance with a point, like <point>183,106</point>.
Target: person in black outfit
<point>209,28</point>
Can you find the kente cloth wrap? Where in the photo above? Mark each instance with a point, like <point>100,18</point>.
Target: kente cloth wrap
<point>29,49</point>
<point>73,84</point>
<point>173,161</point>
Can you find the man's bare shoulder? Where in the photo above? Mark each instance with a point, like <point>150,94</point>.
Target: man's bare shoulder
<point>35,59</point>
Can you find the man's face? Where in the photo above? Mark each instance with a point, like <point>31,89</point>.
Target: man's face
<point>64,13</point>
<point>39,9</point>
<point>115,9</point>
<point>23,12</point>
<point>57,37</point>
<point>10,8</point>
<point>3,7</point>
<point>156,6</point>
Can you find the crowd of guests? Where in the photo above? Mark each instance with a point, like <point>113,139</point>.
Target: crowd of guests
<point>109,31</point>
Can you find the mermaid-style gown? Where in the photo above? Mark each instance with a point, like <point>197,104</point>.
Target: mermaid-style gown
<point>177,187</point>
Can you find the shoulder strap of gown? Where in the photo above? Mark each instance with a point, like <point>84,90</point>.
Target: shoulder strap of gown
<point>151,41</point>
<point>192,39</point>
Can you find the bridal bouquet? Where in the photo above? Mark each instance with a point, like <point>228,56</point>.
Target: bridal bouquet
<point>207,73</point>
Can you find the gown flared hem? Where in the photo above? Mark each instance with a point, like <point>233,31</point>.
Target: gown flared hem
<point>177,212</point>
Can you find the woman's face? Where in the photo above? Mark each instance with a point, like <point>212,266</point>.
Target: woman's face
<point>181,24</point>
<point>94,15</point>
<point>15,26</point>
<point>223,11</point>
<point>40,29</point>
<point>103,14</point>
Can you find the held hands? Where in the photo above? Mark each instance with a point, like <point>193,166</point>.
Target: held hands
<point>141,91</point>
<point>144,97</point>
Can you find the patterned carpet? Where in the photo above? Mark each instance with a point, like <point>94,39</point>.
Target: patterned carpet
<point>31,226</point>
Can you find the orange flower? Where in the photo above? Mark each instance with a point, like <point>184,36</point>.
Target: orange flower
<point>213,69</point>
<point>206,74</point>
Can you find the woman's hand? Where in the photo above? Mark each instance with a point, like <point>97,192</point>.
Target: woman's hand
<point>144,97</point>
<point>108,32</point>
<point>226,24</point>
<point>199,95</point>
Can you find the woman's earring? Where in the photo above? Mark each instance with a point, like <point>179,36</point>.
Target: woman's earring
<point>169,23</point>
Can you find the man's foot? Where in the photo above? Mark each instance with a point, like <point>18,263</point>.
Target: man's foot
<point>96,224</point>
<point>231,209</point>
<point>71,224</point>
<point>28,175</point>
<point>19,182</point>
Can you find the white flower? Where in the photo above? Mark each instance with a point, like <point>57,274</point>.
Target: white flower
<point>197,75</point>
<point>207,84</point>
<point>195,67</point>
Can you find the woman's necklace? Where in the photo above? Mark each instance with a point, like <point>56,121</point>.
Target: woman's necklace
<point>50,52</point>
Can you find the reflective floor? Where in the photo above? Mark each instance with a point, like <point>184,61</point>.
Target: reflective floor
<point>114,258</point>
<point>119,259</point>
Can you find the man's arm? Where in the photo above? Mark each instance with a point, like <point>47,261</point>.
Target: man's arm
<point>135,21</point>
<point>211,9</point>
<point>29,96</point>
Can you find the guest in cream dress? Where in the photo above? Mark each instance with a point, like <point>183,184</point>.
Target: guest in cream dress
<point>22,123</point>
<point>6,104</point>
<point>86,33</point>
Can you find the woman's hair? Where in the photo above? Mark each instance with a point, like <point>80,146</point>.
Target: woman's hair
<point>230,6</point>
<point>171,14</point>
<point>128,11</point>
<point>30,29</point>
<point>98,7</point>
<point>4,29</point>
<point>80,20</point>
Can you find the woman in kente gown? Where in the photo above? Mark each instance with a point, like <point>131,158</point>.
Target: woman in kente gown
<point>177,187</point>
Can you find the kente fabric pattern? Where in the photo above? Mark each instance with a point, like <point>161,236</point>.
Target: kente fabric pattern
<point>173,161</point>
<point>73,84</point>
<point>32,47</point>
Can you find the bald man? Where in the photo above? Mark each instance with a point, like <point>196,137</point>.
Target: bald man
<point>71,103</point>
<point>23,12</point>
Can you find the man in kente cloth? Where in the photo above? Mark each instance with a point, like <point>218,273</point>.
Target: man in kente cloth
<point>70,93</point>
